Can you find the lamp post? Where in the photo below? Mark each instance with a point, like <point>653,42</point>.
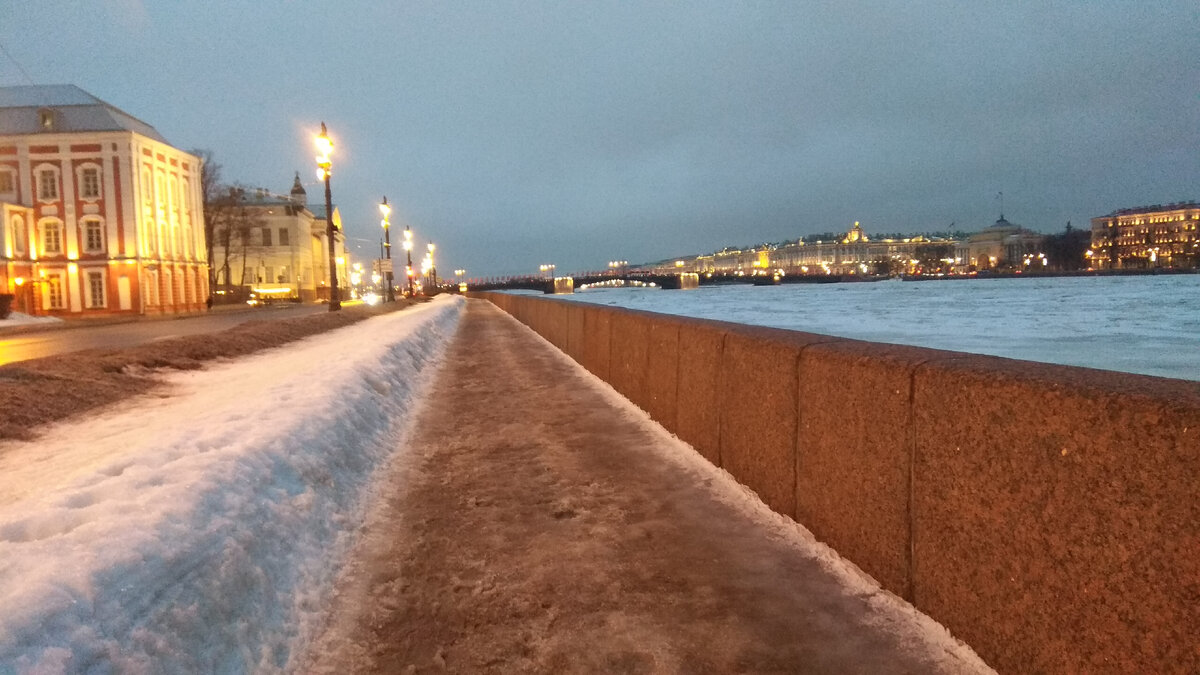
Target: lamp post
<point>408,255</point>
<point>432,267</point>
<point>387,247</point>
<point>324,168</point>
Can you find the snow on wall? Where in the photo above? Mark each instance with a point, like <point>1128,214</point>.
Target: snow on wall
<point>201,531</point>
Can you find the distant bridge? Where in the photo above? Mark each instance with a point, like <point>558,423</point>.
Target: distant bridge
<point>566,284</point>
<point>569,283</point>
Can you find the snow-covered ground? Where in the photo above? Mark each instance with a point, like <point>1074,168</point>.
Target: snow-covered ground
<point>19,319</point>
<point>1141,324</point>
<point>201,531</point>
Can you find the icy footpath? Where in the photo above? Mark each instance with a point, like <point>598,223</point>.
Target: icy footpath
<point>201,531</point>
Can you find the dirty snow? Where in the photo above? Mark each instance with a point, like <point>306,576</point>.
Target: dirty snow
<point>200,530</point>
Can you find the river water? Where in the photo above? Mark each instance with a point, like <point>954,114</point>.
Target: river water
<point>1142,324</point>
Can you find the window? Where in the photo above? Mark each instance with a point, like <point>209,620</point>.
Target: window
<point>147,237</point>
<point>151,287</point>
<point>18,235</point>
<point>51,237</point>
<point>47,184</point>
<point>8,183</point>
<point>283,236</point>
<point>93,235</point>
<point>270,275</point>
<point>147,188</point>
<point>89,182</point>
<point>266,236</point>
<point>54,291</point>
<point>96,295</point>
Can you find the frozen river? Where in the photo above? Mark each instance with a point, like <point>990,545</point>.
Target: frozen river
<point>1143,324</point>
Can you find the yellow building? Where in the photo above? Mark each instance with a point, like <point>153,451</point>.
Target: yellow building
<point>1147,236</point>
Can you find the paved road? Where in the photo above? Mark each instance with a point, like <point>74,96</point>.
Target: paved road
<point>36,343</point>
<point>540,527</point>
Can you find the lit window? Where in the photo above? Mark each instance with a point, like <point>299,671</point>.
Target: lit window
<point>96,295</point>
<point>54,291</point>
<point>89,183</point>
<point>52,237</point>
<point>147,188</point>
<point>18,235</point>
<point>93,235</point>
<point>47,184</point>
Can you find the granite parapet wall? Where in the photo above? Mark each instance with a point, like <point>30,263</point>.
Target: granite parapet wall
<point>1047,515</point>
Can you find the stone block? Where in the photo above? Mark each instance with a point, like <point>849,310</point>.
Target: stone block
<point>698,393</point>
<point>575,330</point>
<point>759,387</point>
<point>1057,525</point>
<point>662,371</point>
<point>597,330</point>
<point>630,332</point>
<point>854,451</point>
<point>555,323</point>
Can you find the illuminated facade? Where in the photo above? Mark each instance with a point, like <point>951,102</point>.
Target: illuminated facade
<point>100,214</point>
<point>853,254</point>
<point>278,248</point>
<point>1146,237</point>
<point>1003,245</point>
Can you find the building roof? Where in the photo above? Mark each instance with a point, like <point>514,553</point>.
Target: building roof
<point>318,210</point>
<point>75,111</point>
<point>1155,208</point>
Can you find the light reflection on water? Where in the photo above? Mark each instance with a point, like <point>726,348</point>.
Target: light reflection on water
<point>1144,324</point>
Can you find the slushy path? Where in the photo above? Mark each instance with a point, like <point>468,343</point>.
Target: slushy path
<point>540,525</point>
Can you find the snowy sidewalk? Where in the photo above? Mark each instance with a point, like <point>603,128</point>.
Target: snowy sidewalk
<point>543,524</point>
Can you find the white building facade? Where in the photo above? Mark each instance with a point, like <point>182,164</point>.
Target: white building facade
<point>101,215</point>
<point>278,249</point>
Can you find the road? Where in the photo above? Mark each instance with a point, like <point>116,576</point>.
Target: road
<point>36,343</point>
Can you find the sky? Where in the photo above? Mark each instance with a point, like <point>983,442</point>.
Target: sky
<point>520,133</point>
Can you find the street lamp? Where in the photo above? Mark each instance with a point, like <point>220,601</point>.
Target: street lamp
<point>432,267</point>
<point>408,254</point>
<point>324,168</point>
<point>387,247</point>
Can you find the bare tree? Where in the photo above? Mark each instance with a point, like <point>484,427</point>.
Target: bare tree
<point>233,225</point>
<point>210,189</point>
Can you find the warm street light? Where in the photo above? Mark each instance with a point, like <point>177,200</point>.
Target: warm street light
<point>387,247</point>
<point>432,266</point>
<point>408,254</point>
<point>324,168</point>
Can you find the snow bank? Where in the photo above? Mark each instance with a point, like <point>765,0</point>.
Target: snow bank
<point>19,319</point>
<point>201,531</point>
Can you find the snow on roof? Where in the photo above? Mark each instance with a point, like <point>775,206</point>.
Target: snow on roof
<point>75,110</point>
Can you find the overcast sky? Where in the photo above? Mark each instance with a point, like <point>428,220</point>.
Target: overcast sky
<point>519,133</point>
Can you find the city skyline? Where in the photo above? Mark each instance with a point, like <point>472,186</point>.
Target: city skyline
<point>519,134</point>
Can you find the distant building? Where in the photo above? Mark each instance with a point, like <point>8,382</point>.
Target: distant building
<point>1147,236</point>
<point>1002,245</point>
<point>854,253</point>
<point>100,215</point>
<point>275,246</point>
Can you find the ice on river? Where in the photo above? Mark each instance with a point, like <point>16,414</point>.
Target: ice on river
<point>1141,324</point>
